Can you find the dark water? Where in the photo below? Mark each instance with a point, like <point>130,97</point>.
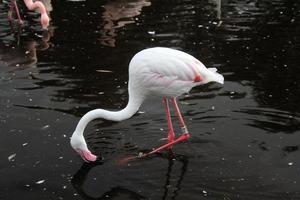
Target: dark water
<point>245,135</point>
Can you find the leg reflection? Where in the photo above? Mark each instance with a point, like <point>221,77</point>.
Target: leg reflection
<point>168,188</point>
<point>117,192</point>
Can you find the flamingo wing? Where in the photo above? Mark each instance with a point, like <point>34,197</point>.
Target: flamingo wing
<point>168,71</point>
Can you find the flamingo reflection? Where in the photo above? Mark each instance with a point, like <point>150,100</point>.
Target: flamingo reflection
<point>218,10</point>
<point>115,192</point>
<point>23,53</point>
<point>120,192</point>
<point>117,14</point>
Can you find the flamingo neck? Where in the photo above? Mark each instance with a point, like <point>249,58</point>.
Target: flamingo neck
<point>35,5</point>
<point>131,108</point>
<point>32,5</point>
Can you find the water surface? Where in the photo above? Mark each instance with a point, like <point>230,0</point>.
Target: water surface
<point>245,133</point>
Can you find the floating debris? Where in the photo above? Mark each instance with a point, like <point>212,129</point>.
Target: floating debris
<point>37,162</point>
<point>151,32</point>
<point>104,71</point>
<point>40,182</point>
<point>140,154</point>
<point>45,127</point>
<point>184,103</point>
<point>11,157</point>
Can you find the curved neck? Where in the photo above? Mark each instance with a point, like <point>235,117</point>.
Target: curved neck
<point>34,5</point>
<point>131,108</point>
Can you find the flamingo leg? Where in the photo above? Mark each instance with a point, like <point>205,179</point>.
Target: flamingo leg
<point>185,135</point>
<point>18,12</point>
<point>180,118</point>
<point>10,11</point>
<point>171,134</point>
<point>14,7</point>
<point>181,138</point>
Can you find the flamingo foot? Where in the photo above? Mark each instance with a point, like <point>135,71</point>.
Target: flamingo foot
<point>168,146</point>
<point>20,22</point>
<point>182,138</point>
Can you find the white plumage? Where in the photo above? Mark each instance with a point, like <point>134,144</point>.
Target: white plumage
<point>168,72</point>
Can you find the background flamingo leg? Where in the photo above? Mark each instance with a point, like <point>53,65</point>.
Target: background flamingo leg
<point>10,11</point>
<point>14,7</point>
<point>18,12</point>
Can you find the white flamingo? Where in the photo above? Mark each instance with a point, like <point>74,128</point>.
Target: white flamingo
<point>155,71</point>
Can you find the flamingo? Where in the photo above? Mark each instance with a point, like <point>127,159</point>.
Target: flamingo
<point>31,6</point>
<point>158,71</point>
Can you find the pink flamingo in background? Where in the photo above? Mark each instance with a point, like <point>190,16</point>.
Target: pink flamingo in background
<point>37,5</point>
<point>155,71</point>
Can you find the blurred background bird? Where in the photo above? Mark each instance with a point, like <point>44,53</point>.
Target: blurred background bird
<point>31,5</point>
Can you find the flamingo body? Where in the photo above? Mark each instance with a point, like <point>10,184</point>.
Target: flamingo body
<point>168,72</point>
<point>156,71</point>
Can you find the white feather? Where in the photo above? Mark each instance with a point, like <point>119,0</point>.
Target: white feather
<point>213,69</point>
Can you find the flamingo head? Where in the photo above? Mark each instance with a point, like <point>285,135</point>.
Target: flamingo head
<point>79,145</point>
<point>210,75</point>
<point>45,21</point>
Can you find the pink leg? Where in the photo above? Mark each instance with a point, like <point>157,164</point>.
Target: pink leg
<point>14,6</point>
<point>180,118</point>
<point>18,13</point>
<point>9,13</point>
<point>185,135</point>
<point>171,142</point>
<point>182,138</point>
<point>171,134</point>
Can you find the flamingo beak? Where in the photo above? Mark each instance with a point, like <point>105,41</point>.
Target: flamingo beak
<point>87,156</point>
<point>45,21</point>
